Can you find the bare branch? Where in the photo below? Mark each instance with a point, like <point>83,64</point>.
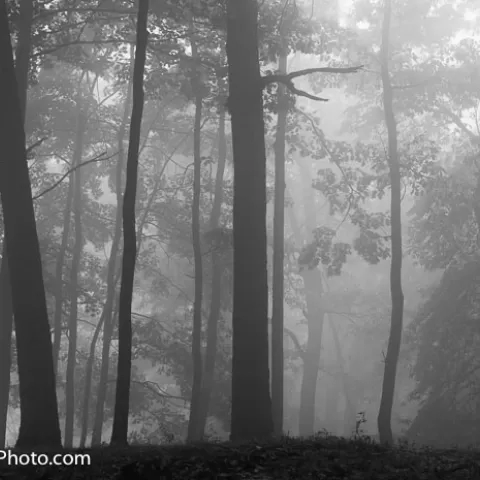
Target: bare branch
<point>458,122</point>
<point>36,144</point>
<point>295,341</point>
<point>98,158</point>
<point>413,85</point>
<point>287,79</point>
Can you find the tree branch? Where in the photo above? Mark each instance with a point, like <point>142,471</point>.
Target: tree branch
<point>293,337</point>
<point>458,122</point>
<point>71,170</point>
<point>287,79</point>
<point>36,144</point>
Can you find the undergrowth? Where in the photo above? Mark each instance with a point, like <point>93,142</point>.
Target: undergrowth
<point>319,457</point>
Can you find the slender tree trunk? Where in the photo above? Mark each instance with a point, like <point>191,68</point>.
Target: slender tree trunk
<point>77,253</point>
<point>39,426</point>
<point>122,394</point>
<point>331,406</point>
<point>194,427</point>
<point>315,318</point>
<point>350,404</point>
<point>57,319</point>
<point>394,341</point>
<point>251,415</point>
<point>88,381</point>
<point>278,255</point>
<point>22,63</point>
<point>6,327</point>
<point>112,280</point>
<point>312,280</point>
<point>216,287</point>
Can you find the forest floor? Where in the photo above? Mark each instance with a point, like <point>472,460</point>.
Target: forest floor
<point>322,457</point>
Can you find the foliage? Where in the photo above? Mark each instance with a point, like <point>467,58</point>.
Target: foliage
<point>286,458</point>
<point>446,335</point>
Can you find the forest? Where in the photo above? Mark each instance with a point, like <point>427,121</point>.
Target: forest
<point>236,221</point>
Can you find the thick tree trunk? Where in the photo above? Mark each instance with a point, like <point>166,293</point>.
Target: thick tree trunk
<point>394,341</point>
<point>122,394</point>
<point>39,425</point>
<point>77,253</point>
<point>194,427</point>
<point>22,52</point>
<point>22,64</point>
<point>278,255</point>
<point>251,403</point>
<point>112,280</point>
<point>216,286</point>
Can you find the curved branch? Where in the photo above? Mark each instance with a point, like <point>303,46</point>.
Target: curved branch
<point>295,341</point>
<point>287,79</point>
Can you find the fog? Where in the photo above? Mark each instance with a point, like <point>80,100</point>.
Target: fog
<point>337,304</point>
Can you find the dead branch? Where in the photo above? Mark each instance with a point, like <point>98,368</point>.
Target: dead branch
<point>287,79</point>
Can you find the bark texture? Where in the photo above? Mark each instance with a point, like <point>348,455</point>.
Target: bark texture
<point>251,403</point>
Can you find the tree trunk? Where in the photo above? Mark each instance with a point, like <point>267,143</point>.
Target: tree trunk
<point>57,319</point>
<point>88,381</point>
<point>22,52</point>
<point>251,415</point>
<point>312,280</point>
<point>77,253</point>
<point>194,427</point>
<point>331,406</point>
<point>22,63</point>
<point>122,394</point>
<point>112,280</point>
<point>278,255</point>
<point>39,426</point>
<point>6,327</point>
<point>350,413</point>
<point>216,287</point>
<point>394,341</point>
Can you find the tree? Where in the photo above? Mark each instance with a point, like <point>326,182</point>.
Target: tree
<point>251,403</point>
<point>279,247</point>
<point>216,266</point>
<point>82,120</point>
<point>194,425</point>
<point>122,396</point>
<point>22,63</point>
<point>39,425</point>
<point>394,341</point>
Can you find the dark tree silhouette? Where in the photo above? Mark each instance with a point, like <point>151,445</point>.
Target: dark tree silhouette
<point>39,426</point>
<point>393,349</point>
<point>120,419</point>
<point>251,403</point>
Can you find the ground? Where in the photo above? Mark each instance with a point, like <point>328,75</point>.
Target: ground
<point>321,457</point>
